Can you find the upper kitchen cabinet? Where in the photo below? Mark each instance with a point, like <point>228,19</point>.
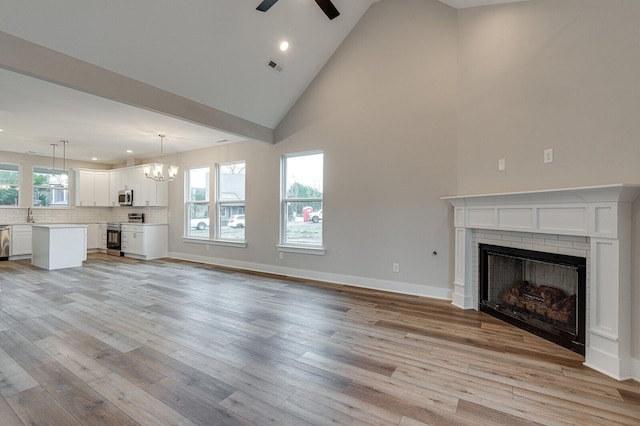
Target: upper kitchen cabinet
<point>100,188</point>
<point>146,192</point>
<point>115,185</point>
<point>92,188</point>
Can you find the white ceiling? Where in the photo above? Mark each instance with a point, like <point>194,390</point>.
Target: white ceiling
<point>210,51</point>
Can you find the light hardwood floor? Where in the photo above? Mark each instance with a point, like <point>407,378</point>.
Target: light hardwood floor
<point>125,342</point>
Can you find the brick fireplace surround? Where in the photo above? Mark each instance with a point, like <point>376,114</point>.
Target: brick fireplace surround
<point>594,222</point>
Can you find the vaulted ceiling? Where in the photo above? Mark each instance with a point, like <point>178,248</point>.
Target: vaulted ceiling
<point>210,55</point>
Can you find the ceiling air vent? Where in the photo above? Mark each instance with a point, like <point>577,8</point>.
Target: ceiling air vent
<point>274,66</point>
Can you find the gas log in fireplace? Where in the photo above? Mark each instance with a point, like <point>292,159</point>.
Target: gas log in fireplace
<point>543,293</point>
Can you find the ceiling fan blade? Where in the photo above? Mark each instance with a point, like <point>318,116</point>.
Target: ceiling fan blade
<point>266,5</point>
<point>328,8</point>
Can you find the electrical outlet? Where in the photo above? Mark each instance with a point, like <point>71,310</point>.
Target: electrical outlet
<point>207,246</point>
<point>395,267</point>
<point>281,255</point>
<point>502,164</point>
<point>548,155</point>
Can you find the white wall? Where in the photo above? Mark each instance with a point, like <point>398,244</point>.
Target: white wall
<point>383,112</point>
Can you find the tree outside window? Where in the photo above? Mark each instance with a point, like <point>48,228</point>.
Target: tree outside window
<point>9,185</point>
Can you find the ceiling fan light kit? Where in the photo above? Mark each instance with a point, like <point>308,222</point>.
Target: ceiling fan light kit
<point>327,7</point>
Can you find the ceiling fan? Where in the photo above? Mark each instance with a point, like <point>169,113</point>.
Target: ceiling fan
<point>327,7</point>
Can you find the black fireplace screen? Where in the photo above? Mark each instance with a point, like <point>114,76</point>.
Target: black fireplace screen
<point>543,293</point>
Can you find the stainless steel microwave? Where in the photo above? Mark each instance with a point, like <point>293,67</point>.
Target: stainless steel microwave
<point>125,197</point>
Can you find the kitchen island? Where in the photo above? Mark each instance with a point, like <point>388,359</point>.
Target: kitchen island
<point>58,246</point>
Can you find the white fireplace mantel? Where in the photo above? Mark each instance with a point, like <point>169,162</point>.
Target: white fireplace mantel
<point>602,213</point>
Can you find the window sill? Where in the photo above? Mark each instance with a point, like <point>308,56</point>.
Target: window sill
<point>315,250</point>
<point>224,243</point>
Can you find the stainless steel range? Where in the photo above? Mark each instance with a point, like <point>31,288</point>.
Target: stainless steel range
<point>114,235</point>
<point>5,242</point>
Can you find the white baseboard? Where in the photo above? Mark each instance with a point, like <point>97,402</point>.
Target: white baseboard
<point>434,292</point>
<point>635,369</point>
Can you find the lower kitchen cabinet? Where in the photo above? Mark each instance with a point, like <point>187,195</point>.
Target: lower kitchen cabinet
<point>103,236</point>
<point>21,240</point>
<point>93,236</point>
<point>144,241</point>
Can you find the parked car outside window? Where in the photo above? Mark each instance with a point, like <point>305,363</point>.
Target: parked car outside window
<point>236,221</point>
<point>316,216</point>
<point>200,223</point>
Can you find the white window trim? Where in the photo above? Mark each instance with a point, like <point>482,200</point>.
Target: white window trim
<point>283,246</point>
<point>217,203</point>
<point>310,249</point>
<point>186,226</point>
<point>210,242</point>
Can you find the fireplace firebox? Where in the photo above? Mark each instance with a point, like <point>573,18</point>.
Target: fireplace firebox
<point>543,293</point>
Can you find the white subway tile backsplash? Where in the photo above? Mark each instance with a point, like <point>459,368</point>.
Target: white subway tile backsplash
<point>81,215</point>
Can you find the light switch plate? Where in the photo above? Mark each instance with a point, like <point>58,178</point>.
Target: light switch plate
<point>548,155</point>
<point>502,165</point>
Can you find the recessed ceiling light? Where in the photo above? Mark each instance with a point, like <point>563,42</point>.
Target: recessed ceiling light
<point>1,130</point>
<point>284,46</point>
<point>129,151</point>
<point>94,159</point>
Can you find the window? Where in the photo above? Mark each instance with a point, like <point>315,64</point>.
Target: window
<point>230,201</point>
<point>301,207</point>
<point>197,202</point>
<point>50,187</point>
<point>9,184</point>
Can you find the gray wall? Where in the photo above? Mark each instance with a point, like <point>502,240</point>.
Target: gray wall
<point>561,74</point>
<point>383,112</point>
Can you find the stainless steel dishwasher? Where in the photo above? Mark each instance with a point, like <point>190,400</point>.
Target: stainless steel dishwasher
<point>5,242</point>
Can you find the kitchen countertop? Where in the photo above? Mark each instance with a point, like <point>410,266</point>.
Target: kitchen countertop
<point>59,225</point>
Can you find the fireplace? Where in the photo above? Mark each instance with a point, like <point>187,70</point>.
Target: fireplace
<point>543,293</point>
<point>552,221</point>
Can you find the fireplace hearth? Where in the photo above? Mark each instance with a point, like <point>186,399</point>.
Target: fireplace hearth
<point>544,293</point>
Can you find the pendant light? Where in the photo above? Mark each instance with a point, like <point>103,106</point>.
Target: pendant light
<point>156,171</point>
<point>64,176</point>
<point>53,161</point>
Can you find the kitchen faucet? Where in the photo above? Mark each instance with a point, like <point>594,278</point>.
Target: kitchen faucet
<point>30,216</point>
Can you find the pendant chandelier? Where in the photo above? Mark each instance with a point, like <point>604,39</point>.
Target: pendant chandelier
<point>63,178</point>
<point>156,171</point>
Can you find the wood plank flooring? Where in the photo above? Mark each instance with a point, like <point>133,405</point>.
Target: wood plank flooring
<point>125,342</point>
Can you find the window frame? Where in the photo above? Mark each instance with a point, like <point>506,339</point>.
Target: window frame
<point>64,189</point>
<point>219,202</point>
<point>188,203</point>
<point>284,246</point>
<point>17,185</point>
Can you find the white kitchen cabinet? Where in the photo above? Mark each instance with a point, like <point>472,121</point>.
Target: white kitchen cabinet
<point>116,184</point>
<point>21,240</point>
<point>145,189</point>
<point>93,236</point>
<point>144,241</point>
<point>103,237</point>
<point>102,188</point>
<point>59,246</point>
<point>92,188</point>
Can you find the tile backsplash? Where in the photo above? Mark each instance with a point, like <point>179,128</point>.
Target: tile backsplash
<point>81,214</point>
